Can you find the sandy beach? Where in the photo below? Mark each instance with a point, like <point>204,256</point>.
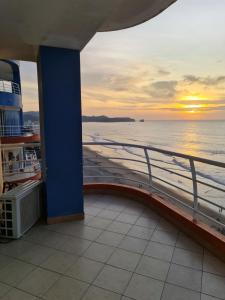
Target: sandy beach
<point>106,170</point>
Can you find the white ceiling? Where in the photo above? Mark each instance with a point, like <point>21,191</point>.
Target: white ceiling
<point>27,24</point>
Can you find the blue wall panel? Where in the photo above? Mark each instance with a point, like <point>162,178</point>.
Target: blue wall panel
<point>10,99</point>
<point>61,129</point>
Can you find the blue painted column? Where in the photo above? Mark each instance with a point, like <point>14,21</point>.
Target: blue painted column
<point>61,132</point>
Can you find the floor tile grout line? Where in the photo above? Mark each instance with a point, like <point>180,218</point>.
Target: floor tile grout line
<point>115,219</point>
<point>24,276</point>
<point>65,275</point>
<point>98,273</point>
<point>203,257</point>
<point>125,235</point>
<point>77,236</point>
<point>214,297</point>
<point>61,273</point>
<point>10,288</point>
<point>106,263</point>
<point>38,265</point>
<point>17,285</point>
<point>155,229</point>
<point>140,258</point>
<point>94,241</point>
<point>17,288</point>
<point>92,284</point>
<point>124,211</point>
<point>51,286</point>
<point>104,289</point>
<point>169,266</point>
<point>106,229</point>
<point>47,289</point>
<point>115,247</point>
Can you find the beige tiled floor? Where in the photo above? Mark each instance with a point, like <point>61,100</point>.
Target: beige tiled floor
<point>121,251</point>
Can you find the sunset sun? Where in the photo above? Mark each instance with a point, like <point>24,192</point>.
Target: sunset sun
<point>194,106</point>
<point>193,98</point>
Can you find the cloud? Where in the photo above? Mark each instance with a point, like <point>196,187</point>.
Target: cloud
<point>119,82</point>
<point>163,72</point>
<point>163,89</point>
<point>204,101</point>
<point>182,109</point>
<point>206,81</point>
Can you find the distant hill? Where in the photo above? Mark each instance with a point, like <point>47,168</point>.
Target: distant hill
<point>33,116</point>
<point>106,119</point>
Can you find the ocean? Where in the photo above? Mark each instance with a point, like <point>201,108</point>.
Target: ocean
<point>205,139</point>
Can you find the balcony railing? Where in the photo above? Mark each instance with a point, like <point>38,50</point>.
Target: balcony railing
<point>15,130</point>
<point>195,183</point>
<point>9,87</point>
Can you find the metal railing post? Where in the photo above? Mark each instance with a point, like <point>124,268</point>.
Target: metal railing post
<point>149,166</point>
<point>195,188</point>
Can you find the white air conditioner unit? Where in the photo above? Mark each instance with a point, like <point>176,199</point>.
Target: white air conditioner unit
<point>20,208</point>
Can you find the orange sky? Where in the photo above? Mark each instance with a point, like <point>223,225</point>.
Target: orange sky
<point>171,67</point>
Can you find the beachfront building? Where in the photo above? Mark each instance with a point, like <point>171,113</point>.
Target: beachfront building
<point>11,118</point>
<point>123,249</point>
<point>10,98</point>
<point>17,162</point>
